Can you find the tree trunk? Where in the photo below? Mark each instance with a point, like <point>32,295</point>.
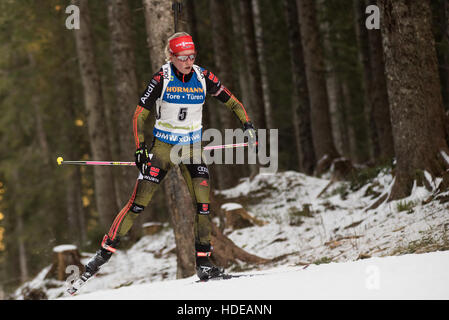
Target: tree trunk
<point>75,212</point>
<point>345,128</point>
<point>241,61</point>
<point>242,68</point>
<point>23,261</point>
<point>375,90</point>
<point>414,93</point>
<point>93,101</point>
<point>226,252</point>
<point>40,131</point>
<point>126,91</point>
<point>223,58</point>
<point>365,62</point>
<point>351,133</point>
<point>63,257</point>
<point>300,96</point>
<point>71,138</point>
<point>222,54</point>
<point>112,137</point>
<point>181,217</point>
<point>159,26</point>
<point>254,75</point>
<point>192,25</point>
<point>125,80</point>
<point>258,31</point>
<point>445,40</point>
<point>380,112</point>
<point>314,62</point>
<point>333,85</point>
<point>20,232</point>
<point>335,106</point>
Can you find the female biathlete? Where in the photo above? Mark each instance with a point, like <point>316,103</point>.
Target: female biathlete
<point>177,93</point>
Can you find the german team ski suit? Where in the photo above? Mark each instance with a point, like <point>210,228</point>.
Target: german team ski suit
<point>177,100</point>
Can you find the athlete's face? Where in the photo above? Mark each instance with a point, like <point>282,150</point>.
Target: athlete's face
<point>184,66</point>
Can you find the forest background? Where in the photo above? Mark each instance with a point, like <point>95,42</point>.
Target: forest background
<point>343,97</point>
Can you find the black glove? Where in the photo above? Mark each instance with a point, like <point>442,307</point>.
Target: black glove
<point>142,157</point>
<point>252,135</point>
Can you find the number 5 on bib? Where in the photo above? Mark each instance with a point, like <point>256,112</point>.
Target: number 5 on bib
<point>182,115</point>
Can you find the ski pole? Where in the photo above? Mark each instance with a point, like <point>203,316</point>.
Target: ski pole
<point>61,161</point>
<point>225,146</point>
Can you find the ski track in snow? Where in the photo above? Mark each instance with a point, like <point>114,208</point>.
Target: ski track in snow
<point>339,229</point>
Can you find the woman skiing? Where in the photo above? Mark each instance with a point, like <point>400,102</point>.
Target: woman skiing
<point>176,93</point>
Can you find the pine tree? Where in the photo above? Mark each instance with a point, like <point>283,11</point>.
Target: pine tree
<point>300,96</point>
<point>314,61</point>
<point>414,91</point>
<point>93,100</point>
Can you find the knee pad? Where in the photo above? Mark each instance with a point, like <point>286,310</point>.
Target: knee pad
<point>154,174</point>
<point>203,250</point>
<point>136,208</point>
<point>198,171</point>
<point>202,208</point>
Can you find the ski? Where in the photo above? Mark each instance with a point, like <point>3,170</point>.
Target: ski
<point>227,276</point>
<point>77,284</point>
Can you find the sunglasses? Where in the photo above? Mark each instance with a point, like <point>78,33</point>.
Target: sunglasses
<point>184,58</point>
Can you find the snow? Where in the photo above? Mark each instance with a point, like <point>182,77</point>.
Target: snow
<point>64,247</point>
<point>150,224</point>
<point>353,252</point>
<point>421,276</point>
<point>231,206</point>
<point>445,156</point>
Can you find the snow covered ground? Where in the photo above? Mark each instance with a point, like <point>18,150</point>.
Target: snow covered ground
<point>353,252</point>
<point>414,276</point>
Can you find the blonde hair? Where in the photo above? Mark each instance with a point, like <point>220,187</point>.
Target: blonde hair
<point>167,46</point>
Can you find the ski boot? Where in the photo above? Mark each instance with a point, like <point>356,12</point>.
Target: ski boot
<point>205,269</point>
<point>108,247</point>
